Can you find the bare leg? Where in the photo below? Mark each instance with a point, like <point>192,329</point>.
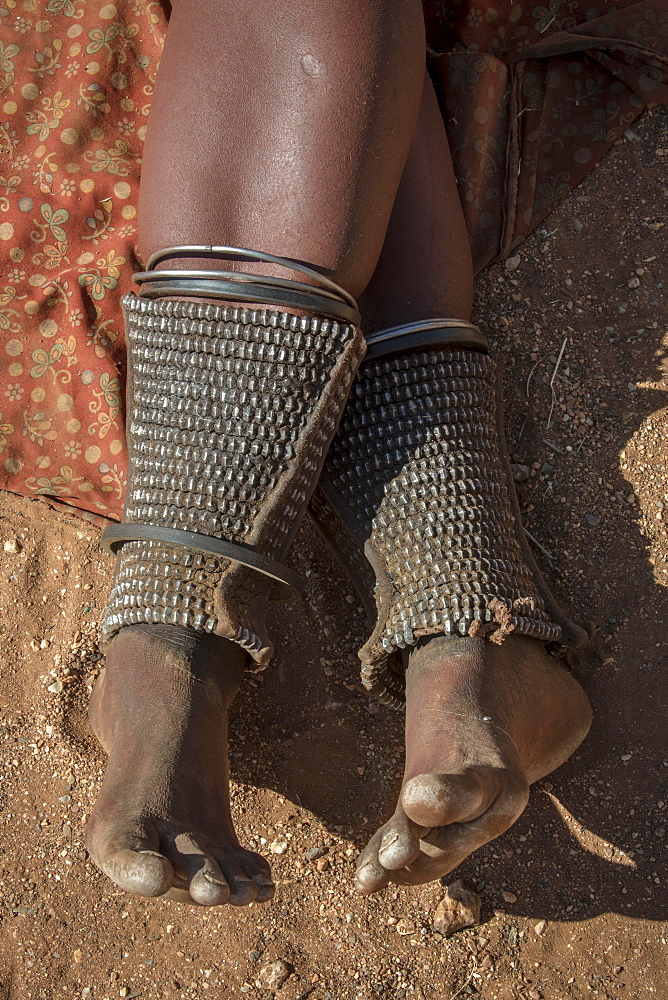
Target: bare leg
<point>284,127</point>
<point>465,780</point>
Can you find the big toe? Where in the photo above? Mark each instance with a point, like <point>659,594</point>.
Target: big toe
<point>432,800</point>
<point>135,866</point>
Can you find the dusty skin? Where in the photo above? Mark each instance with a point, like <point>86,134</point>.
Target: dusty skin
<point>482,723</point>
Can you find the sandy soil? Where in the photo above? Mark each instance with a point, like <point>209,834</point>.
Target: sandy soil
<point>586,862</point>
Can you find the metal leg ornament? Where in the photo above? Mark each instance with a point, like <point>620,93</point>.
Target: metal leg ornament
<point>418,479</point>
<point>230,414</point>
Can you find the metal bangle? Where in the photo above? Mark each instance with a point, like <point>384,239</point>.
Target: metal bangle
<point>290,585</point>
<point>431,333</point>
<point>324,287</point>
<point>158,284</point>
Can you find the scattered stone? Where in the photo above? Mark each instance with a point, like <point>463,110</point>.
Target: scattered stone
<point>459,908</point>
<point>591,519</point>
<point>34,644</point>
<point>520,472</point>
<point>512,263</point>
<point>12,545</point>
<point>278,847</point>
<point>634,282</point>
<point>405,927</point>
<point>56,687</point>
<point>508,897</point>
<point>314,853</point>
<point>535,995</point>
<point>660,832</point>
<point>274,975</point>
<point>486,963</point>
<point>253,956</point>
<point>578,226</point>
<point>44,644</point>
<point>322,864</point>
<point>540,927</point>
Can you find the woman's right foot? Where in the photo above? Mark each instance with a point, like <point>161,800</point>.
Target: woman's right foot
<point>161,822</point>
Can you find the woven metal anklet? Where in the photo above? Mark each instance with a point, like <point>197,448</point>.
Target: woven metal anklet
<point>230,413</point>
<point>418,479</point>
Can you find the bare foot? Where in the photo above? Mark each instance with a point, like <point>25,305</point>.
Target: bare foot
<point>482,723</point>
<point>162,822</point>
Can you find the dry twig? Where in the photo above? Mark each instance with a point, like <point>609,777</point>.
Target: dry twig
<point>554,375</point>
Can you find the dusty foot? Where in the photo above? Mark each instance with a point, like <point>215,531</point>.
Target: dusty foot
<point>162,823</point>
<point>482,723</point>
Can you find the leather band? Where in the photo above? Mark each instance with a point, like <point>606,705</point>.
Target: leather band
<point>437,333</point>
<point>290,584</point>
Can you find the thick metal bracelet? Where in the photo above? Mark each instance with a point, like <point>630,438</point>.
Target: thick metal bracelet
<point>290,585</point>
<point>432,333</point>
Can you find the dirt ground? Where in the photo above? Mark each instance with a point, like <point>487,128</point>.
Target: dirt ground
<point>316,764</point>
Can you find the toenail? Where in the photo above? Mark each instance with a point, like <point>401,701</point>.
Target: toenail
<point>214,880</point>
<point>389,840</point>
<point>366,869</point>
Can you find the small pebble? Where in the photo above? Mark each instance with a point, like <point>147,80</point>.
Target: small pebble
<point>274,975</point>
<point>513,263</point>
<point>405,927</point>
<point>578,226</point>
<point>56,687</point>
<point>486,962</point>
<point>634,282</point>
<point>314,853</point>
<point>322,864</point>
<point>12,545</point>
<point>540,927</point>
<point>520,472</point>
<point>535,994</point>
<point>459,908</point>
<point>508,897</point>
<point>591,519</point>
<point>278,847</point>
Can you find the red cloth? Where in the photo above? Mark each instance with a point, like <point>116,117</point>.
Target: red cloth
<point>532,96</point>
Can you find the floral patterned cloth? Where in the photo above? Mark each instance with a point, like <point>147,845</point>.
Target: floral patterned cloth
<point>532,96</point>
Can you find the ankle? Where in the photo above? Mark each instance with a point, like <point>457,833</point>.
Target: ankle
<point>204,657</point>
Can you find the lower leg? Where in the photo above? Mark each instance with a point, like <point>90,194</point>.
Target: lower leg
<point>483,720</point>
<point>425,268</point>
<point>302,161</point>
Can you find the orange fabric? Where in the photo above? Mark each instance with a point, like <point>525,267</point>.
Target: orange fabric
<point>532,96</point>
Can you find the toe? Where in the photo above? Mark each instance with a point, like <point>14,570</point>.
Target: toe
<point>243,888</point>
<point>196,871</point>
<point>133,863</point>
<point>208,885</point>
<point>400,843</point>
<point>434,800</point>
<point>444,848</point>
<point>370,875</point>
<point>257,868</point>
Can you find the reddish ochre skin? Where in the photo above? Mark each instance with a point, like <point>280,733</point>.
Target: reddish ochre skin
<point>337,156</point>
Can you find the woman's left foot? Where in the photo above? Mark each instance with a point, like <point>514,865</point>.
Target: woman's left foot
<point>482,723</point>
